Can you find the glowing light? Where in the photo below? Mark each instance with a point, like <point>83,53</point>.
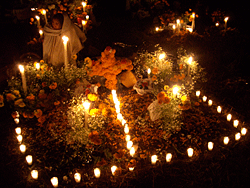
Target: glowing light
<point>154,159</point>
<point>190,152</point>
<point>226,19</point>
<point>204,98</point>
<point>34,174</point>
<point>19,138</point>
<point>18,130</point>
<point>16,120</point>
<point>132,151</point>
<point>86,105</point>
<point>190,60</point>
<point>21,68</point>
<point>229,117</point>
<point>210,102</point>
<point>237,136</point>
<point>38,64</point>
<point>113,169</point>
<point>77,177</point>
<point>226,140</point>
<point>198,93</point>
<point>210,146</point>
<point>157,29</point>
<point>22,148</point>
<point>127,138</point>
<point>97,172</point>
<point>131,168</point>
<point>168,157</point>
<point>126,129</point>
<point>29,159</point>
<point>219,109</point>
<point>43,12</point>
<point>54,181</point>
<point>243,131</point>
<point>65,39</point>
<point>176,90</point>
<point>129,144</point>
<point>236,123</point>
<point>162,56</point>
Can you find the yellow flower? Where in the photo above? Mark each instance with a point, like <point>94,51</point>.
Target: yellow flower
<point>41,61</point>
<point>166,87</point>
<point>30,97</point>
<point>53,85</point>
<point>74,57</point>
<point>88,62</point>
<point>94,112</point>
<point>154,78</point>
<point>38,113</point>
<point>17,93</point>
<point>10,97</point>
<point>155,70</point>
<point>92,97</point>
<point>20,103</point>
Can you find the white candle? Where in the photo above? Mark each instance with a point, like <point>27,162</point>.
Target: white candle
<point>84,22</point>
<point>129,144</point>
<point>54,181</point>
<point>210,145</point>
<point>243,131</point>
<point>198,93</point>
<point>236,123</point>
<point>175,90</point>
<point>237,136</point>
<point>77,177</point>
<point>29,159</point>
<point>113,169</point>
<point>154,159</point>
<point>229,117</point>
<point>204,98</point>
<point>132,151</point>
<point>87,17</point>
<point>157,29</point>
<point>45,17</point>
<point>19,138</point>
<point>174,27</point>
<point>38,21</point>
<point>65,41</point>
<point>226,140</point>
<point>127,138</point>
<point>178,25</point>
<point>131,168</point>
<point>18,130</point>
<point>190,152</point>
<point>97,172</point>
<point>168,157</point>
<point>226,18</point>
<point>21,68</point>
<point>210,102</point>
<point>219,109</point>
<point>22,148</point>
<point>193,21</point>
<point>16,120</point>
<point>149,71</point>
<point>37,66</point>
<point>84,4</point>
<point>126,129</point>
<point>124,122</point>
<point>86,106</point>
<point>120,117</point>
<point>34,174</point>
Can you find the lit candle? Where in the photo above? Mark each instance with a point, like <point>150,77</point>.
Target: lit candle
<point>210,145</point>
<point>41,33</point>
<point>22,148</point>
<point>124,122</point>
<point>21,68</point>
<point>210,102</point>
<point>84,4</point>
<point>132,151</point>
<point>189,62</point>
<point>149,71</point>
<point>236,123</point>
<point>97,172</point>
<point>77,177</point>
<point>226,18</point>
<point>178,25</point>
<point>217,24</point>
<point>126,129</point>
<point>226,140</point>
<point>86,106</point>
<point>113,169</point>
<point>157,29</point>
<point>16,120</point>
<point>204,98</point>
<point>168,157</point>
<point>174,27</point>
<point>129,144</point>
<point>38,21</point>
<point>29,159</point>
<point>84,22</point>
<point>193,21</point>
<point>131,168</point>
<point>237,136</point>
<point>229,117</point>
<point>243,131</point>
<point>45,17</point>
<point>34,174</point>
<point>162,56</point>
<point>37,66</point>
<point>127,138</point>
<point>154,159</point>
<point>87,17</point>
<point>18,130</point>
<point>219,109</point>
<point>54,181</point>
<point>19,138</point>
<point>175,90</point>
<point>190,152</point>
<point>65,41</point>
<point>198,93</point>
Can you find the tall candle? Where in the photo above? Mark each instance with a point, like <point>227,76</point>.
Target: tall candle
<point>41,33</point>
<point>226,22</point>
<point>29,159</point>
<point>168,157</point>
<point>154,159</point>
<point>21,67</point>
<point>38,21</point>
<point>84,22</point>
<point>86,106</point>
<point>45,17</point>
<point>84,4</point>
<point>193,21</point>
<point>178,25</point>
<point>190,60</point>
<point>190,152</point>
<point>77,177</point>
<point>65,41</point>
<point>54,181</point>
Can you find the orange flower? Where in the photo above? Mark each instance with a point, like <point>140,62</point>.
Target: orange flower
<point>14,114</point>
<point>197,104</point>
<point>42,119</point>
<point>161,97</point>
<point>94,138</point>
<point>31,97</point>
<point>42,94</point>
<point>92,97</point>
<point>25,114</point>
<point>154,78</point>
<point>44,84</point>
<point>132,163</point>
<point>101,163</point>
<point>155,70</point>
<point>94,112</point>
<point>10,97</point>
<point>31,115</point>
<point>56,103</point>
<point>38,113</point>
<point>20,103</point>
<point>167,100</point>
<point>181,66</point>
<point>53,85</point>
<point>119,154</point>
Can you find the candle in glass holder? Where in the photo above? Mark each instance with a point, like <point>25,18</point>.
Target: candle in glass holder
<point>22,148</point>
<point>129,144</point>
<point>210,146</point>
<point>16,120</point>
<point>219,109</point>
<point>126,129</point>
<point>127,138</point>
<point>168,157</point>
<point>132,151</point>
<point>193,21</point>
<point>34,174</point>
<point>190,152</point>
<point>178,25</point>
<point>77,177</point>
<point>37,65</point>
<point>157,29</point>
<point>113,169</point>
<point>226,19</point>
<point>149,71</point>
<point>84,22</point>
<point>54,181</point>
<point>243,131</point>
<point>226,140</point>
<point>86,106</point>
<point>19,138</point>
<point>237,136</point>
<point>210,102</point>
<point>97,172</point>
<point>29,159</point>
<point>198,93</point>
<point>204,98</point>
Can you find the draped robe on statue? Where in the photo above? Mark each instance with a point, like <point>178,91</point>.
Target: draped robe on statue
<point>53,47</point>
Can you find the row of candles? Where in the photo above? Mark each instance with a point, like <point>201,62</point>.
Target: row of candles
<point>130,147</point>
